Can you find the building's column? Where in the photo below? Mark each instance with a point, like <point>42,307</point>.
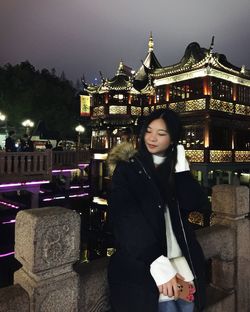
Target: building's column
<point>231,207</point>
<point>205,177</point>
<point>218,176</point>
<point>47,243</point>
<point>230,177</point>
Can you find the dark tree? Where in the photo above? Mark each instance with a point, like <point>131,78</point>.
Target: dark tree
<point>39,95</point>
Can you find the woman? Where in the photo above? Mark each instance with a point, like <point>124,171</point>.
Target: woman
<point>152,193</point>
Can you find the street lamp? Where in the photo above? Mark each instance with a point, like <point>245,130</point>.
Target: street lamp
<point>4,118</point>
<point>28,124</point>
<point>80,129</point>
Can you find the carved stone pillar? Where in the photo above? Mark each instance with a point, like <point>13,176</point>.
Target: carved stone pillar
<point>230,204</point>
<point>47,243</point>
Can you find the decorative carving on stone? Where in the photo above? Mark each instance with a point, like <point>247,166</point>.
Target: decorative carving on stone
<point>58,243</point>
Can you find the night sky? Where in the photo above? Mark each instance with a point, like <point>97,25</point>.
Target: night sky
<point>84,37</point>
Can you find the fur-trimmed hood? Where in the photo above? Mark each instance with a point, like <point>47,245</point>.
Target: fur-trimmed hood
<point>121,152</point>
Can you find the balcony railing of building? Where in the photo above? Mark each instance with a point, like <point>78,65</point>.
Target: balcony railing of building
<point>217,156</point>
<point>53,278</point>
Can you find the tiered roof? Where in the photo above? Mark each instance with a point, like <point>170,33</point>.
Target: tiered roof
<point>122,81</point>
<point>198,60</point>
<point>195,58</point>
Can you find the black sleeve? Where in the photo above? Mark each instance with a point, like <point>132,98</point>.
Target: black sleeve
<point>132,232</point>
<point>190,194</point>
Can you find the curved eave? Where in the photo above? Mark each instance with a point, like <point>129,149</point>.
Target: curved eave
<point>148,90</point>
<point>119,82</point>
<point>178,68</point>
<point>92,90</point>
<point>134,91</point>
<point>150,62</point>
<point>232,69</point>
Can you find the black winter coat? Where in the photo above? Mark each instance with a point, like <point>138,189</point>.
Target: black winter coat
<point>137,216</point>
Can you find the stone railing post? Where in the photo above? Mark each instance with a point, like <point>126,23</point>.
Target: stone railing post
<point>231,207</point>
<point>47,244</point>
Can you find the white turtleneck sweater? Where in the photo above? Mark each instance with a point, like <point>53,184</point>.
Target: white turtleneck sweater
<point>165,268</point>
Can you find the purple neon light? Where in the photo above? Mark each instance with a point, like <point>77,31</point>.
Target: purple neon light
<point>79,195</point>
<point>37,182</point>
<point>7,254</point>
<point>9,205</point>
<point>64,170</point>
<point>78,186</point>
<point>83,165</point>
<point>8,222</point>
<point>63,197</point>
<point>53,198</point>
<point>24,183</point>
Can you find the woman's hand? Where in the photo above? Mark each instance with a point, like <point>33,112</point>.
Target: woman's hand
<point>171,288</point>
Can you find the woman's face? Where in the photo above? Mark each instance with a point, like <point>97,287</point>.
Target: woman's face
<point>157,138</point>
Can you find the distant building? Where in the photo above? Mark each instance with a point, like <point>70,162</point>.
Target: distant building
<point>211,95</point>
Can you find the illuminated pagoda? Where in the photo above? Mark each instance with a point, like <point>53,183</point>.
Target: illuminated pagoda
<point>117,103</point>
<point>211,95</point>
<point>213,99</point>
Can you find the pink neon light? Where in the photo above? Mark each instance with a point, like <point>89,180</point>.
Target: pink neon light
<point>7,254</point>
<point>11,221</point>
<point>24,183</point>
<point>9,205</point>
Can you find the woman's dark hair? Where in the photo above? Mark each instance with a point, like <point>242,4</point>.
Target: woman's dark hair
<point>172,121</point>
<point>174,127</point>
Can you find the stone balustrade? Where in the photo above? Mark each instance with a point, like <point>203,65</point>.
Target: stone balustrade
<point>22,167</point>
<point>25,166</point>
<point>53,279</point>
<point>69,159</point>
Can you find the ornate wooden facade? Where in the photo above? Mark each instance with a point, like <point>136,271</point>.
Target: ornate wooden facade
<point>211,95</point>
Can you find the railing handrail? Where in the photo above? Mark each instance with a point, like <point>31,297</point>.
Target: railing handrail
<point>69,159</point>
<point>23,166</point>
<point>27,166</point>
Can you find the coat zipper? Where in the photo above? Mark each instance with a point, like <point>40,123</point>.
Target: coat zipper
<point>145,171</point>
